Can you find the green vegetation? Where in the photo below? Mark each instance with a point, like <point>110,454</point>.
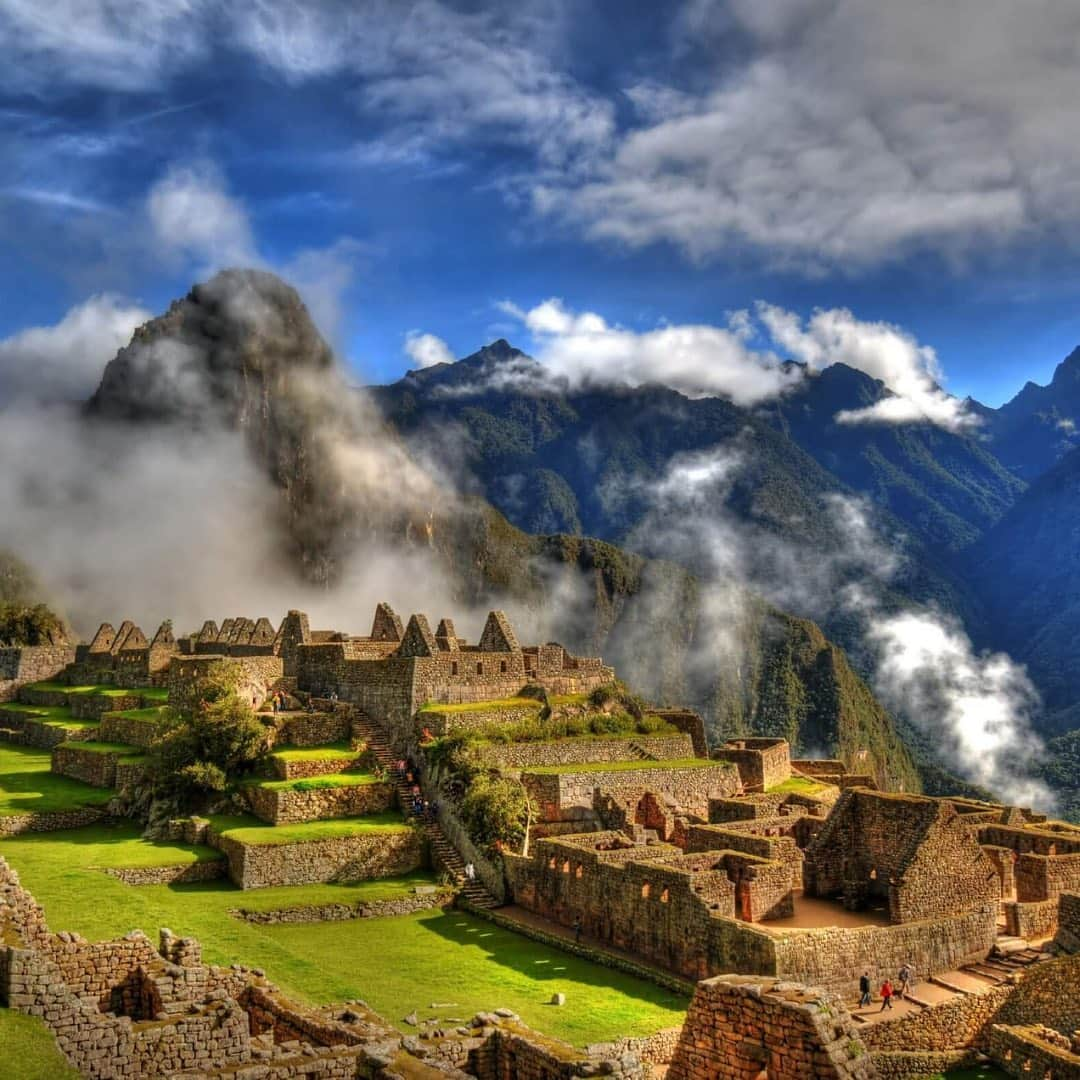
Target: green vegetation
<point>26,1040</point>
<point>23,624</point>
<point>63,688</point>
<point>620,766</point>
<point>798,785</point>
<point>26,784</point>
<point>315,783</point>
<point>483,706</point>
<point>333,752</point>
<point>153,714</point>
<point>39,712</point>
<point>980,1072</point>
<point>250,830</point>
<point>495,810</point>
<point>159,694</point>
<point>210,738</point>
<point>395,964</point>
<point>124,751</point>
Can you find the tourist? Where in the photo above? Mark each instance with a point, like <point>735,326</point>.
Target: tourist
<point>886,995</point>
<point>401,769</point>
<point>907,977</point>
<point>333,697</point>
<point>470,872</point>
<point>864,989</point>
<point>577,931</point>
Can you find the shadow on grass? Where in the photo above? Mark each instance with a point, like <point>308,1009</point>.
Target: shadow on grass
<point>543,962</point>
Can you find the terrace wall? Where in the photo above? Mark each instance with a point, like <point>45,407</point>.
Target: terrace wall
<point>94,706</point>
<point>342,858</point>
<point>280,806</point>
<point>90,766</point>
<point>1046,877</point>
<point>31,663</point>
<point>125,729</point>
<point>762,763</point>
<point>587,749</point>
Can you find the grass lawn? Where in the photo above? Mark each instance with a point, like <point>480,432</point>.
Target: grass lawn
<point>63,688</point>
<point>124,751</point>
<point>798,785</point>
<point>483,706</point>
<point>333,752</point>
<point>26,784</point>
<point>29,1049</point>
<point>150,715</point>
<point>159,694</point>
<point>982,1072</point>
<point>39,712</point>
<point>621,766</point>
<point>250,830</point>
<point>395,964</point>
<point>313,783</point>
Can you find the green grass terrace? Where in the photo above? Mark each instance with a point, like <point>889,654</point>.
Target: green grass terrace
<point>331,752</point>
<point>316,783</point>
<point>250,830</point>
<point>125,752</point>
<point>27,785</point>
<point>627,766</point>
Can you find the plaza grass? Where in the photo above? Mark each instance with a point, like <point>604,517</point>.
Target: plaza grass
<point>124,751</point>
<point>625,766</point>
<point>483,706</point>
<point>313,783</point>
<point>332,752</point>
<point>38,712</point>
<point>150,715</point>
<point>397,964</point>
<point>250,830</point>
<point>27,785</point>
<point>27,1045</point>
<point>797,785</point>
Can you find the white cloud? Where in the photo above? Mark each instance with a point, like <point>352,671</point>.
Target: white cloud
<point>194,217</point>
<point>697,359</point>
<point>702,360</point>
<point>63,362</point>
<point>840,133</point>
<point>427,350</point>
<point>882,350</point>
<point>125,45</point>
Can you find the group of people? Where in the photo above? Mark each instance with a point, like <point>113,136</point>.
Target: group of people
<point>278,701</point>
<point>409,772</point>
<point>904,981</point>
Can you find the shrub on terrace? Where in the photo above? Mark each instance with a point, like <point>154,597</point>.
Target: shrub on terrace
<point>210,738</point>
<point>495,810</point>
<point>23,624</point>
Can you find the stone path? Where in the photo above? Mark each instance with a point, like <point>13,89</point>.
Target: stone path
<point>443,852</point>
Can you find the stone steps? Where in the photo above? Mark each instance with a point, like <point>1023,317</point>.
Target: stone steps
<point>443,852</point>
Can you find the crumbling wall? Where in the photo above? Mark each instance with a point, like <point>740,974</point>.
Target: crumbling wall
<point>762,763</point>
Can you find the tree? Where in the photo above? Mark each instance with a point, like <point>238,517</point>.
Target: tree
<point>495,810</point>
<point>21,624</point>
<point>211,736</point>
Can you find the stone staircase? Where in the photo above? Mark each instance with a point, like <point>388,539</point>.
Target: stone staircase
<point>640,753</point>
<point>443,852</point>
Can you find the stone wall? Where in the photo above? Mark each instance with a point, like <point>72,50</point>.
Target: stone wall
<point>524,1055</point>
<point>1068,932</point>
<point>50,820</point>
<point>479,720</point>
<point>1046,877</point>
<point>1023,839</point>
<point>569,796</point>
<point>208,870</point>
<point>31,663</point>
<point>1025,1051</point>
<point>738,1028</point>
<point>835,957</point>
<point>285,806</point>
<point>307,769</point>
<point>435,897</point>
<point>314,728</point>
<point>94,706</point>
<point>1031,921</point>
<point>762,763</point>
<point>125,729</point>
<point>97,768</point>
<point>523,755</point>
<point>344,858</point>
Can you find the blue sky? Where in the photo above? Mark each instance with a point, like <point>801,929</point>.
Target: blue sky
<point>412,165</point>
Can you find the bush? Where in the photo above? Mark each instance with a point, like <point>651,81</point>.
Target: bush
<point>495,810</point>
<point>211,738</point>
<point>21,624</point>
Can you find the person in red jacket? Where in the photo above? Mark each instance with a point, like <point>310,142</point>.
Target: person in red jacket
<point>886,995</point>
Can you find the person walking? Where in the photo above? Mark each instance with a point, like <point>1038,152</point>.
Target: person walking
<point>864,989</point>
<point>886,995</point>
<point>905,981</point>
<point>470,872</point>
<point>577,931</point>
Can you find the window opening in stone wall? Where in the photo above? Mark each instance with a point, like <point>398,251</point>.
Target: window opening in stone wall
<point>502,667</point>
<point>479,669</point>
<point>453,667</point>
<point>645,890</point>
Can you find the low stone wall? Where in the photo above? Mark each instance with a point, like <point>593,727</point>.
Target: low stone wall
<point>305,769</point>
<point>439,896</point>
<point>505,1053</point>
<point>93,767</point>
<point>957,1024</point>
<point>94,706</point>
<point>920,1064</point>
<point>818,768</point>
<point>208,870</point>
<point>314,729</point>
<point>1024,1051</point>
<point>584,750</point>
<point>29,730</point>
<point>124,729</point>
<point>1045,877</point>
<point>739,1027</point>
<point>1031,921</point>
<point>34,663</point>
<point>50,820</point>
<point>343,858</point>
<point>1068,932</point>
<point>834,958</point>
<point>479,720</point>
<point>656,1049</point>
<point>283,806</point>
<point>47,699</point>
<point>129,774</point>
